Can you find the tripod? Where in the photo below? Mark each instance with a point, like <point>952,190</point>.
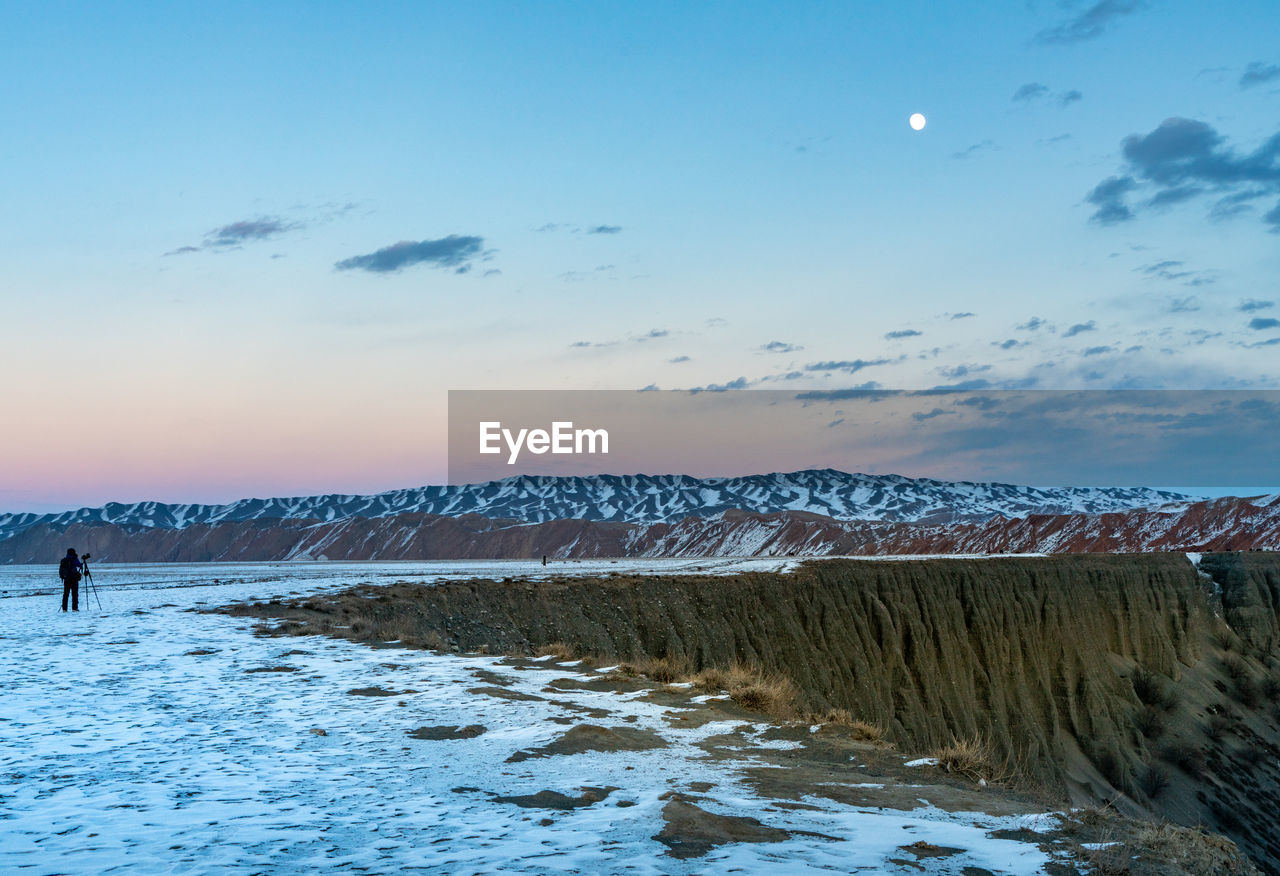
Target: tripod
<point>88,580</point>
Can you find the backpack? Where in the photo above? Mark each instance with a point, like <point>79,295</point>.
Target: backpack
<point>67,570</point>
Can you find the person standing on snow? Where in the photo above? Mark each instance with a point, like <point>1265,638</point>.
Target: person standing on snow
<point>69,572</point>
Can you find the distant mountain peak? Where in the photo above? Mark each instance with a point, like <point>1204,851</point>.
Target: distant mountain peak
<point>641,498</point>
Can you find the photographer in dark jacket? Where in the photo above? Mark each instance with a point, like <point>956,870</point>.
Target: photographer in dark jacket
<point>69,572</point>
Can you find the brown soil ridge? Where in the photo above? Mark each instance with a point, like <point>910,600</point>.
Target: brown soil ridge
<point>1132,680</point>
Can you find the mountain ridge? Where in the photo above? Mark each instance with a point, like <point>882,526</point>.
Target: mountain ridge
<point>1211,525</point>
<point>640,499</point>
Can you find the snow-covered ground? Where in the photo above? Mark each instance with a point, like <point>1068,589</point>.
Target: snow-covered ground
<point>150,738</point>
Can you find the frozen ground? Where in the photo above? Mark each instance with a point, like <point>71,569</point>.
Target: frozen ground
<point>149,738</point>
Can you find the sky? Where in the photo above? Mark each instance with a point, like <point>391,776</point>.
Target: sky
<point>250,247</point>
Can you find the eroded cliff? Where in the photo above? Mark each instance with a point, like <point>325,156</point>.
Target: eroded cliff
<point>1135,680</point>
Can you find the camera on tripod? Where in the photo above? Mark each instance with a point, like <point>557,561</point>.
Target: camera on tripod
<point>88,578</point>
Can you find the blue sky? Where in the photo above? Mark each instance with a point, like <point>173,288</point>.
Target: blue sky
<point>203,204</point>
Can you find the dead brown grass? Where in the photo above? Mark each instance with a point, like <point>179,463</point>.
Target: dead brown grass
<point>562,651</point>
<point>751,688</point>
<point>971,757</point>
<point>1112,844</point>
<point>843,721</point>
<point>664,670</point>
<point>718,678</point>
<point>773,695</point>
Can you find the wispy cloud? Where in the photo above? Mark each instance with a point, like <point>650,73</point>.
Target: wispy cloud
<point>455,251</point>
<point>780,347</point>
<point>848,366</point>
<point>968,151</point>
<point>1033,325</point>
<point>575,228</point>
<point>965,315</point>
<point>650,335</point>
<point>902,333</point>
<point>248,230</point>
<point>1261,323</point>
<point>1253,305</point>
<point>579,276</point>
<point>1029,92</point>
<point>1033,92</point>
<point>1080,328</point>
<point>1175,270</point>
<point>955,372</point>
<point>236,234</point>
<point>1258,73</point>
<point>736,383</point>
<point>1089,24</point>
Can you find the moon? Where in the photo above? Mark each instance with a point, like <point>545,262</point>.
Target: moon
<point>916,121</point>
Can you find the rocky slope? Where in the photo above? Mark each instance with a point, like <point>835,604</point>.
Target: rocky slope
<point>1221,524</point>
<point>638,499</point>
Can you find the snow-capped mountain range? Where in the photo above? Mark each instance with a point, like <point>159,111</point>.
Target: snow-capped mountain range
<point>642,499</point>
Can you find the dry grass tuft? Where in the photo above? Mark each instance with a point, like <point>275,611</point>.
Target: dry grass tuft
<point>864,731</point>
<point>1108,843</point>
<point>1235,667</point>
<point>1192,849</point>
<point>751,688</point>
<point>970,757</point>
<point>833,718</point>
<point>746,685</point>
<point>1225,638</point>
<point>1185,756</point>
<point>664,670</point>
<point>1153,690</point>
<point>773,695</point>
<point>1150,722</point>
<point>1220,724</point>
<point>717,678</point>
<point>842,719</point>
<point>1153,779</point>
<point>562,651</point>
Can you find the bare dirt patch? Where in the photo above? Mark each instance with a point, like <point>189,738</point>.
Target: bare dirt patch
<point>503,693</point>
<point>271,669</point>
<point>377,692</point>
<point>691,831</point>
<point>592,737</point>
<point>448,731</point>
<point>556,800</point>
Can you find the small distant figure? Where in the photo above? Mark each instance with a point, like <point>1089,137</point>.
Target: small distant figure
<point>544,559</point>
<point>69,572</point>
